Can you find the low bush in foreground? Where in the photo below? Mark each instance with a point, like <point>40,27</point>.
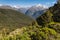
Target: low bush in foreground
<point>31,33</point>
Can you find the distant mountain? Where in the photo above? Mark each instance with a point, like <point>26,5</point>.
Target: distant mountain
<point>8,7</point>
<point>22,10</point>
<point>36,10</point>
<point>13,19</point>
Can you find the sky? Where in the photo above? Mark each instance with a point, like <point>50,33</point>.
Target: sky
<point>28,3</point>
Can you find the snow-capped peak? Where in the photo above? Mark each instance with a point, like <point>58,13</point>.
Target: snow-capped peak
<point>16,6</point>
<point>40,5</point>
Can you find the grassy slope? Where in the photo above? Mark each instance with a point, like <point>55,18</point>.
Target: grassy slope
<point>12,19</point>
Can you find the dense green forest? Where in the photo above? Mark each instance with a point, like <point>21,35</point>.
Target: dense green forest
<point>46,27</point>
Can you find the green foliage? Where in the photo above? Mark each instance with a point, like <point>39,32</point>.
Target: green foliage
<point>45,18</point>
<point>50,21</point>
<point>51,15</point>
<point>55,26</point>
<point>31,33</point>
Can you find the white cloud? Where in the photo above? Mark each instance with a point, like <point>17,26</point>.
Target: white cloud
<point>19,6</point>
<point>49,4</point>
<point>1,4</point>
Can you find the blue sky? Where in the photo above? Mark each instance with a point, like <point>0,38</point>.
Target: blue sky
<point>28,2</point>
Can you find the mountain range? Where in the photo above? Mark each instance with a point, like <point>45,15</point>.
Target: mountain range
<point>34,11</point>
<point>22,10</point>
